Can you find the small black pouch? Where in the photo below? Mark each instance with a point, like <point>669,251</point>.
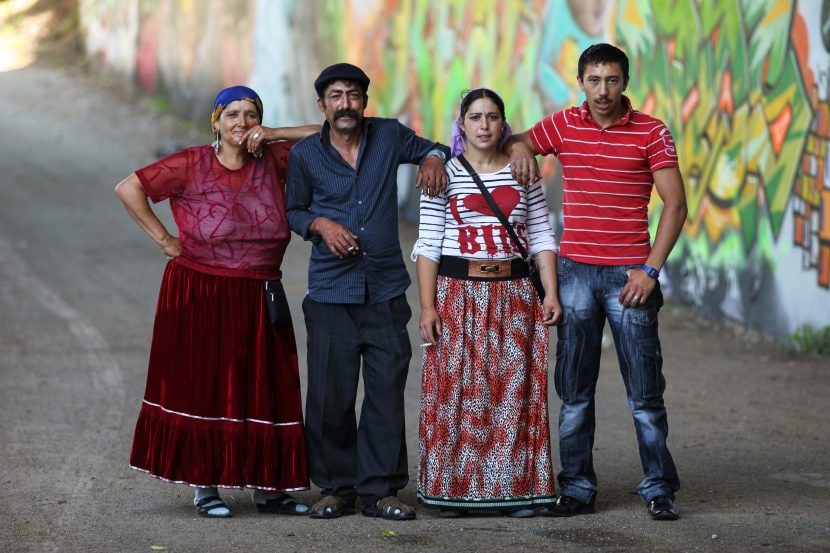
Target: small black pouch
<point>277,303</point>
<point>536,278</point>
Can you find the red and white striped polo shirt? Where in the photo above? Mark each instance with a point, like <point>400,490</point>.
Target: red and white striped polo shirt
<point>607,181</point>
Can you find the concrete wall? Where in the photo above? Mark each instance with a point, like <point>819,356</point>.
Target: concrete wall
<point>742,84</point>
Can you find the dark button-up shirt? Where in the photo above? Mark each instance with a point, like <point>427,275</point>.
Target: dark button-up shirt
<point>320,183</point>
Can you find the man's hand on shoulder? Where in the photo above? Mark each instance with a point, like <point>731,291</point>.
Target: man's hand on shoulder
<point>523,164</point>
<point>432,176</point>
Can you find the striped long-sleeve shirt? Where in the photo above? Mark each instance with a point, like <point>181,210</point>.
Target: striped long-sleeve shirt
<point>460,223</point>
<point>607,181</point>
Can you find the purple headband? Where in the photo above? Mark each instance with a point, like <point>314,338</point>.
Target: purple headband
<point>458,139</point>
<point>232,94</point>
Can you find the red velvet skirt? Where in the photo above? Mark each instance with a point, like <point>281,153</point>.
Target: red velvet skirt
<point>222,405</point>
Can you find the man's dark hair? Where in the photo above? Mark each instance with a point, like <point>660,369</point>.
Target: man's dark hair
<point>601,54</point>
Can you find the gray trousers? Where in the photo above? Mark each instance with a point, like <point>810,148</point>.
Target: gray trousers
<point>346,458</point>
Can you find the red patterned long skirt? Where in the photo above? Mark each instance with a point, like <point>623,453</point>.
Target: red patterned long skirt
<point>222,405</point>
<point>484,435</point>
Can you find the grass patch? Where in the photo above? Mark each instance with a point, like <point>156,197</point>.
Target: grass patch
<point>807,339</point>
<point>160,103</point>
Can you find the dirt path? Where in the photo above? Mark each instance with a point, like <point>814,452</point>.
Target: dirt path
<point>77,290</point>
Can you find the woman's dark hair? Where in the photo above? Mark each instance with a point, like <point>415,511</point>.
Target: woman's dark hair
<point>601,54</point>
<point>477,94</point>
<point>458,140</point>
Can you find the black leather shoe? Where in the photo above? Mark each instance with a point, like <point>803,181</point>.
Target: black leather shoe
<point>662,508</point>
<point>567,506</point>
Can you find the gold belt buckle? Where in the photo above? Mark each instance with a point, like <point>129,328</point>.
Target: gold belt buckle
<point>489,269</point>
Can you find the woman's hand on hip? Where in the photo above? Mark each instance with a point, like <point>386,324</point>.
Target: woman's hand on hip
<point>171,247</point>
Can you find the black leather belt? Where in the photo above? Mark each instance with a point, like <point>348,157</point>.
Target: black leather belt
<point>482,269</point>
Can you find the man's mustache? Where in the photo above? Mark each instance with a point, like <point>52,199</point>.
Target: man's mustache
<point>346,113</point>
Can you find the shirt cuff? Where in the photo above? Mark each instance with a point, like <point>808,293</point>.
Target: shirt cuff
<point>437,153</point>
<point>430,253</point>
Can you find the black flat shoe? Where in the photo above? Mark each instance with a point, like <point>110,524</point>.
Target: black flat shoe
<point>283,505</point>
<point>212,507</point>
<point>567,506</point>
<point>662,508</point>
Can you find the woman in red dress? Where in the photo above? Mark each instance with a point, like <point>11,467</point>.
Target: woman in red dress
<point>222,405</point>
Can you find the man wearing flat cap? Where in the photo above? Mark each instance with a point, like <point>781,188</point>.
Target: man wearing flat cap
<point>342,196</point>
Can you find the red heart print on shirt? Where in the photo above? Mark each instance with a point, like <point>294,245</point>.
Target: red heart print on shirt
<point>506,197</point>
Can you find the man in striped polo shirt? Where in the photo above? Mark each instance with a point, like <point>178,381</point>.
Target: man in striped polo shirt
<point>611,156</point>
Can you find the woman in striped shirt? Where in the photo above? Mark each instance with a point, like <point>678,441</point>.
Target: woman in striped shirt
<point>484,437</point>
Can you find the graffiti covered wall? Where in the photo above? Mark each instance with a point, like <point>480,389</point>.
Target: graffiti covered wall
<point>744,86</point>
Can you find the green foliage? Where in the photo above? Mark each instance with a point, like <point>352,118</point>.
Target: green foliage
<point>160,103</point>
<point>807,339</point>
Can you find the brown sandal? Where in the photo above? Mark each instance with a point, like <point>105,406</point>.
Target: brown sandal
<point>331,506</point>
<point>390,508</point>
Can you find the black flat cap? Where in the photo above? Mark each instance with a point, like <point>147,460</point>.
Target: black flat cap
<point>340,72</point>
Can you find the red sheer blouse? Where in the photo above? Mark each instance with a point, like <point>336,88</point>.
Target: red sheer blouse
<point>231,222</point>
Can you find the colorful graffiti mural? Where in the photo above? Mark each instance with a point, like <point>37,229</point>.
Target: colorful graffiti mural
<point>811,193</point>
<point>744,85</point>
<point>730,88</point>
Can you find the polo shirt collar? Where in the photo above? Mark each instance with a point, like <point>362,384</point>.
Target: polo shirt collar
<point>585,112</point>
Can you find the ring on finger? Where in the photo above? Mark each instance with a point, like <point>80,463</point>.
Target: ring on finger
<point>256,135</point>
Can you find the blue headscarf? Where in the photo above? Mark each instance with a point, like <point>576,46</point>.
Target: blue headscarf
<point>232,94</point>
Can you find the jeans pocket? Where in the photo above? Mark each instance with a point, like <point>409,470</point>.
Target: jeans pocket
<point>652,382</point>
<point>646,374</point>
<point>563,267</point>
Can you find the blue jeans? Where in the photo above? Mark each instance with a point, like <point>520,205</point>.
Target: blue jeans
<point>589,295</point>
